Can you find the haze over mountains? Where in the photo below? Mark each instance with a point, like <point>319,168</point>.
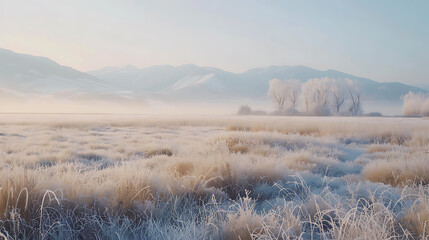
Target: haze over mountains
<point>187,81</point>
<point>23,77</point>
<point>32,74</point>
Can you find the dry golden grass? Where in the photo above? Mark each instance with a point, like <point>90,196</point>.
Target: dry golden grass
<point>420,139</point>
<point>235,145</point>
<point>398,167</point>
<point>181,169</point>
<point>417,220</point>
<point>397,176</point>
<point>246,223</point>
<point>238,128</point>
<point>156,152</point>
<point>374,148</point>
<point>17,192</point>
<point>132,167</point>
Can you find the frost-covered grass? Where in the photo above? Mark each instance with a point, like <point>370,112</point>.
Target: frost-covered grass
<point>206,177</point>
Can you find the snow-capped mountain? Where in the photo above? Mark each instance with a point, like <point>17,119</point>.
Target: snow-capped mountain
<point>22,75</point>
<point>193,82</point>
<point>30,74</point>
<point>185,82</point>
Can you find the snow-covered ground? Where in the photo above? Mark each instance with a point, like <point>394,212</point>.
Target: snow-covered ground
<point>76,176</point>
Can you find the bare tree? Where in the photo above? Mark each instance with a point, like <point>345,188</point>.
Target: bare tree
<point>305,94</point>
<point>355,97</point>
<point>284,92</point>
<point>277,90</point>
<point>293,89</point>
<point>321,87</point>
<point>324,86</point>
<point>339,94</point>
<point>319,96</point>
<point>315,93</point>
<point>339,100</point>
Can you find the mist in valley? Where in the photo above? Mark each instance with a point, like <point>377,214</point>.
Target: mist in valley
<point>217,120</point>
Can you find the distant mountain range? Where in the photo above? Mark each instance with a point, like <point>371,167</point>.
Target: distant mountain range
<point>194,82</point>
<point>32,74</point>
<point>25,75</point>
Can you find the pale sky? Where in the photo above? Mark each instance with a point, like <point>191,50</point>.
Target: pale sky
<point>382,40</point>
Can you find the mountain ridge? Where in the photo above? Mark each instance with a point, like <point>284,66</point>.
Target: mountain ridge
<point>37,74</point>
<point>188,82</point>
<point>255,79</point>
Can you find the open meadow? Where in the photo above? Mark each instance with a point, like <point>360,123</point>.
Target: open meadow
<point>74,176</point>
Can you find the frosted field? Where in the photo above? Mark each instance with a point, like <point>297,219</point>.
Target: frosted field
<point>206,177</point>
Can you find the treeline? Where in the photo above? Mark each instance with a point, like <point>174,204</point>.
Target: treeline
<point>318,96</point>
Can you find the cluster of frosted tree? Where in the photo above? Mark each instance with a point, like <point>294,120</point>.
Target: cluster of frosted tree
<point>318,96</point>
<point>415,104</point>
